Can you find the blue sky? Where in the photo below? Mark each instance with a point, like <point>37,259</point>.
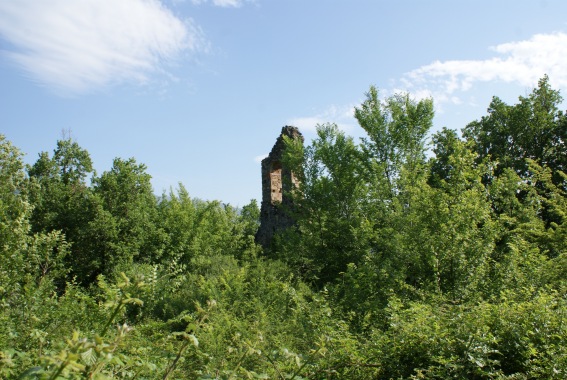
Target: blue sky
<point>198,90</point>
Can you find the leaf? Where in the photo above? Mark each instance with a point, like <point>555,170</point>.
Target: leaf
<point>31,372</point>
<point>89,356</point>
<point>194,340</point>
<point>135,301</point>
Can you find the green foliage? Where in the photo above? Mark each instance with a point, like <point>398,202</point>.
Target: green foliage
<point>64,203</point>
<point>328,213</point>
<point>479,341</point>
<point>14,217</point>
<point>194,227</point>
<point>96,357</point>
<point>127,196</point>
<point>532,129</point>
<point>396,130</point>
<point>397,266</point>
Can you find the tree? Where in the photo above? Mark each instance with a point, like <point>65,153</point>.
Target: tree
<point>64,202</point>
<point>59,191</point>
<point>532,129</point>
<point>197,228</point>
<point>452,224</point>
<point>445,144</point>
<point>74,162</point>
<point>396,130</point>
<point>245,229</point>
<point>327,206</point>
<point>250,218</point>
<point>15,211</point>
<point>525,144</point>
<point>130,207</point>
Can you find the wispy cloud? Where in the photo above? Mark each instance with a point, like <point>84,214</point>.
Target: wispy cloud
<point>340,115</point>
<point>521,62</point>
<point>223,3</point>
<point>259,158</point>
<point>82,45</point>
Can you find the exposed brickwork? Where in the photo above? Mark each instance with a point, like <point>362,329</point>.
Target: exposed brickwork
<point>275,178</point>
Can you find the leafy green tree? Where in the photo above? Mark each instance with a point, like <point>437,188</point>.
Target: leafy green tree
<point>15,211</point>
<point>28,265</point>
<point>554,202</point>
<point>130,211</point>
<point>250,218</point>
<point>525,144</point>
<point>60,194</point>
<point>435,241</point>
<point>74,162</point>
<point>396,129</point>
<point>328,202</point>
<point>63,201</point>
<point>445,144</point>
<point>25,257</point>
<point>391,169</point>
<point>450,224</point>
<point>532,129</point>
<point>206,228</point>
<point>245,228</point>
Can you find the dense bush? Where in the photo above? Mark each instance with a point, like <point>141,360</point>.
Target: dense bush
<point>399,266</point>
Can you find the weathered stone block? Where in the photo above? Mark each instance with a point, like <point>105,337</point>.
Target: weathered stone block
<point>275,201</point>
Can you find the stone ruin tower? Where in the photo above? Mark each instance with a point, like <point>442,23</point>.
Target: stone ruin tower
<point>276,180</point>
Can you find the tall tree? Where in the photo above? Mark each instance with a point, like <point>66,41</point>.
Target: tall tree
<point>128,200</point>
<point>14,216</point>
<point>63,201</point>
<point>396,129</point>
<point>534,129</point>
<point>198,231</point>
<point>327,203</point>
<point>61,197</point>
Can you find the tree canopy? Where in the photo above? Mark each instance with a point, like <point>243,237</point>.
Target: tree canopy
<point>403,262</point>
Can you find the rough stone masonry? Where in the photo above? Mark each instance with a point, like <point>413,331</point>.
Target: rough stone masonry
<point>275,182</point>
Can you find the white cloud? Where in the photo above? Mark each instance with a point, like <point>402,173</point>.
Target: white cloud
<point>81,45</point>
<point>223,3</point>
<point>342,116</point>
<point>521,62</point>
<point>259,158</point>
<point>227,3</point>
<point>306,124</point>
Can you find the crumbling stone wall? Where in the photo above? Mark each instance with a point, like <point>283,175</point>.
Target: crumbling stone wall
<point>275,178</point>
